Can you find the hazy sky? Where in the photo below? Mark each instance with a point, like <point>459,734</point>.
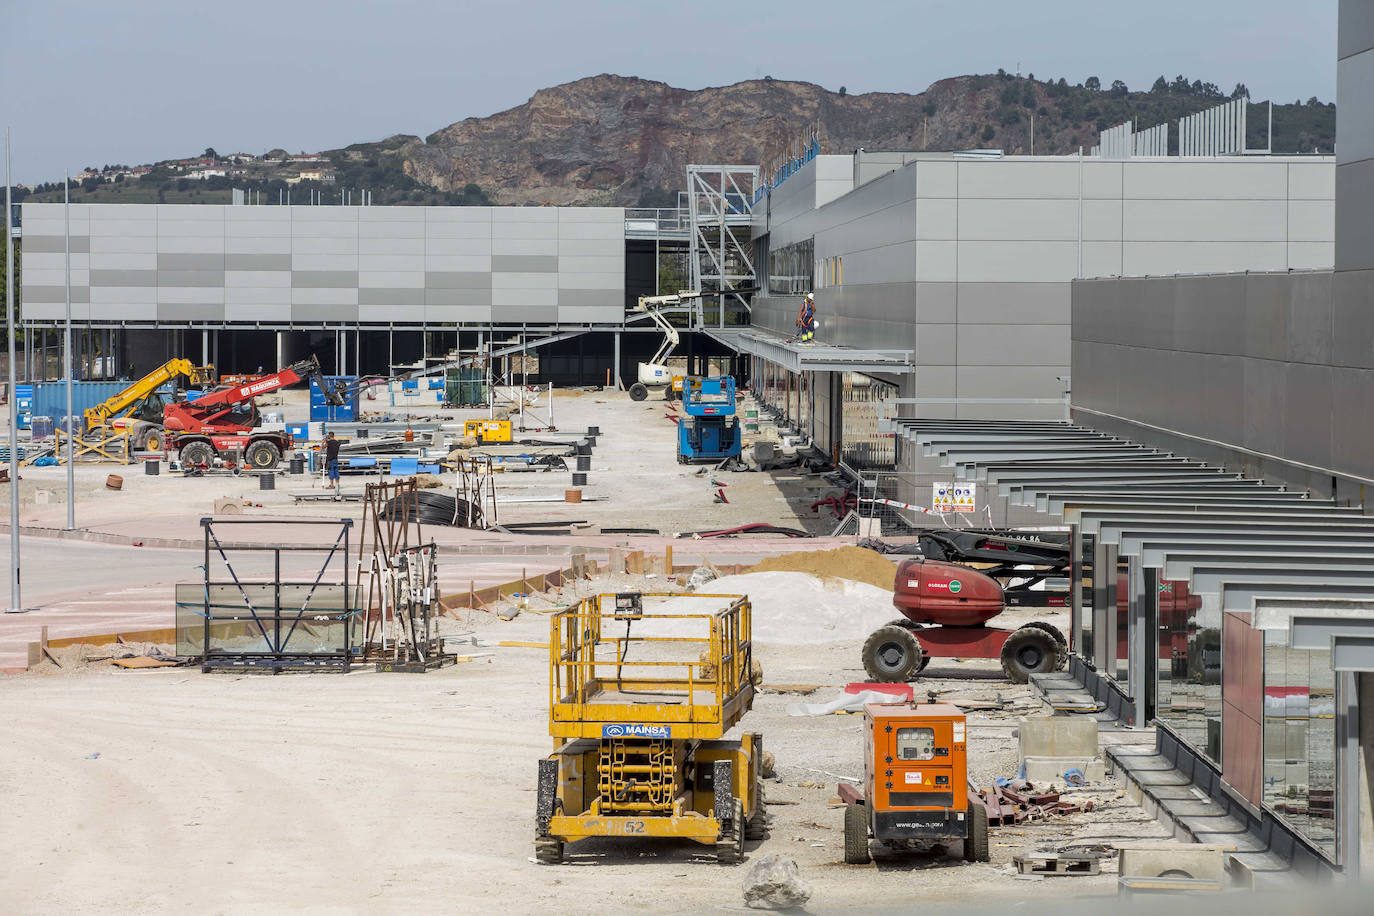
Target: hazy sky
<point>89,83</point>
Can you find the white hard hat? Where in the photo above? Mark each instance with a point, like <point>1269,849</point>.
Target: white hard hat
<point>810,297</point>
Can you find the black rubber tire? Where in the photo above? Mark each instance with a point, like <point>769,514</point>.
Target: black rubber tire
<point>638,392</point>
<point>976,847</point>
<point>856,835</point>
<point>1063,657</point>
<point>1027,651</point>
<point>548,851</point>
<point>196,454</point>
<point>262,455</point>
<point>154,441</point>
<point>730,846</point>
<point>891,655</point>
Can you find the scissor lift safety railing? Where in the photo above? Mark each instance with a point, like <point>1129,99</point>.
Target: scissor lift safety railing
<point>696,685</point>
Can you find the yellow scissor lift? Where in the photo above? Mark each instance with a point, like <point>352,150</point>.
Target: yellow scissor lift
<point>638,717</point>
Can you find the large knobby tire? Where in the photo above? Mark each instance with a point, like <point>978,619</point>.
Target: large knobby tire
<point>262,455</point>
<point>1027,651</point>
<point>892,655</point>
<point>638,392</point>
<point>976,847</point>
<point>154,440</point>
<point>196,454</point>
<point>1063,657</point>
<point>856,835</point>
<point>730,845</point>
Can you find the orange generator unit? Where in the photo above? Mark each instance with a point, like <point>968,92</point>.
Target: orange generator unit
<point>915,793</point>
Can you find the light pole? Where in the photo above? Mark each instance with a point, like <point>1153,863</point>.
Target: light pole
<point>67,356</point>
<point>16,601</point>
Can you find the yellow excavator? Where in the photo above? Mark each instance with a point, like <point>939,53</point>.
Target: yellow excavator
<point>138,408</point>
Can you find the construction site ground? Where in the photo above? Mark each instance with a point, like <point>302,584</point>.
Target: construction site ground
<point>170,790</point>
<point>392,792</point>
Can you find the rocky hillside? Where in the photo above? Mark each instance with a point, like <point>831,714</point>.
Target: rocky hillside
<point>622,140</point>
<point>626,141</point>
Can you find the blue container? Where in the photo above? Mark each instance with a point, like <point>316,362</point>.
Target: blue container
<point>299,431</point>
<point>50,398</point>
<point>321,410</point>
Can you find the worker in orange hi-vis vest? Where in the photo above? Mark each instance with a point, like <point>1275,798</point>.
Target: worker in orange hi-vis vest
<point>806,319</point>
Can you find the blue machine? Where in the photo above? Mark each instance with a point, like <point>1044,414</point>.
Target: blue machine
<point>710,431</point>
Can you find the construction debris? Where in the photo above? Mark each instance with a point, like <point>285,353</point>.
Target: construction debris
<point>775,883</point>
<point>1007,805</point>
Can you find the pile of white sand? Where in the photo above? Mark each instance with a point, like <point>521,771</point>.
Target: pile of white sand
<point>801,609</point>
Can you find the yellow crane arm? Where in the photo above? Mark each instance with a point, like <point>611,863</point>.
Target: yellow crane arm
<point>116,406</point>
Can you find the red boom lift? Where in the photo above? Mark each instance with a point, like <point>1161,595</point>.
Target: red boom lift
<point>227,420</point>
<point>946,606</point>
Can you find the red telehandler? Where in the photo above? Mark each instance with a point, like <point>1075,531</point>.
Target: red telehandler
<point>227,420</point>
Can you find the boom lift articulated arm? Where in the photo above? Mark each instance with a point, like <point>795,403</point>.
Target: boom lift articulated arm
<point>650,305</point>
<point>205,411</point>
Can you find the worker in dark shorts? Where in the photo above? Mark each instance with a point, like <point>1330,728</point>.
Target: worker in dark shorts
<point>331,461</point>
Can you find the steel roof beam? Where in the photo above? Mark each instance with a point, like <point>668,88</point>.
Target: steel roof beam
<point>1117,530</point>
<point>1090,520</point>
<point>1240,597</point>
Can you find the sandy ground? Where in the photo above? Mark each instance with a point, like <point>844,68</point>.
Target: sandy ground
<point>168,790</point>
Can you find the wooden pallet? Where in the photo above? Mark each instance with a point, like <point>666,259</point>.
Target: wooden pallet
<point>1052,863</point>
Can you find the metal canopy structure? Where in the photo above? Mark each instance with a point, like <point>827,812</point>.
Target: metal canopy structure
<point>1240,545</point>
<point>797,357</point>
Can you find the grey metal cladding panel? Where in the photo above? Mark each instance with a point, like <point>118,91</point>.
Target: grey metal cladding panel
<point>1355,215</point>
<point>1022,303</point>
<point>1354,29</point>
<point>524,263</point>
<point>1352,437</point>
<point>457,279</point>
<point>376,296</point>
<point>581,314</point>
<point>207,311</point>
<point>1265,403</point>
<point>1095,379</point>
<point>997,381</point>
<point>1310,313</point>
<point>123,278</point>
<point>166,261</point>
<point>1355,121</point>
<point>1210,314</point>
<point>81,244</point>
<point>935,344</point>
<point>307,312</point>
<point>190,278</point>
<point>457,297</point>
<point>54,294</point>
<point>1013,345</point>
<point>1352,321</point>
<point>1222,398</point>
<point>530,313</point>
<point>587,297</point>
<point>324,279</point>
<point>1266,316</point>
<point>255,261</point>
<point>1307,417</point>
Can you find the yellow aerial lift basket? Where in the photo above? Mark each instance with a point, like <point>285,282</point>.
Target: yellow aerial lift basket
<point>642,689</point>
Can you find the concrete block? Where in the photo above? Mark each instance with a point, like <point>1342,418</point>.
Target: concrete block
<point>1198,861</point>
<point>227,506</point>
<point>1043,770</point>
<point>1058,736</point>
